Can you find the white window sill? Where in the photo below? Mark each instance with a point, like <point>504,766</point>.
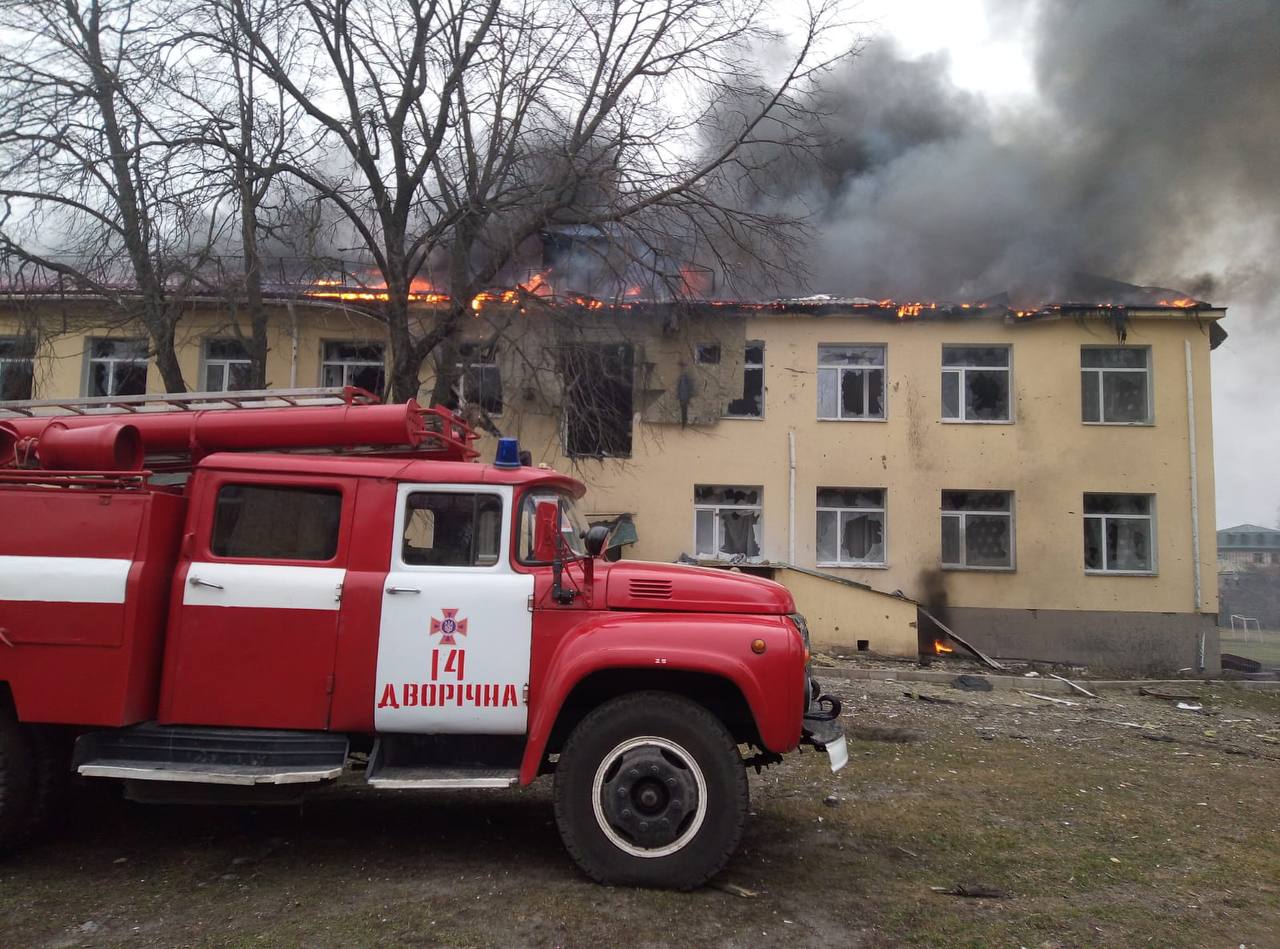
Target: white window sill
<point>1150,424</point>
<point>977,421</point>
<point>1120,573</point>
<point>855,418</point>
<point>743,418</point>
<point>966,569</point>
<point>853,566</point>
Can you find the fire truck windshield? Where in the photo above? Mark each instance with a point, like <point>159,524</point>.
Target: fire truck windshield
<point>572,527</point>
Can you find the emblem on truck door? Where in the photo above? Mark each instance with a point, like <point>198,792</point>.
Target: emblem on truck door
<point>448,626</point>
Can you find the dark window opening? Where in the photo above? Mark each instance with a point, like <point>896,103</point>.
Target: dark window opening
<point>266,522</point>
<point>598,387</point>
<point>976,384</point>
<point>478,381</point>
<point>17,368</point>
<point>117,367</point>
<point>707,354</point>
<point>751,404</point>
<point>362,365</point>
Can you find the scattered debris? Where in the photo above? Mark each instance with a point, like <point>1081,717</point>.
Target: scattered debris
<point>881,733</point>
<point>1156,736</point>
<point>818,659</point>
<point>1190,706</point>
<point>733,889</point>
<point>1170,696</point>
<point>831,800</point>
<point>1049,698</point>
<point>1031,675</point>
<point>926,697</point>
<point>972,683</point>
<point>1079,688</point>
<point>1268,738</point>
<point>973,890</point>
<point>907,853</point>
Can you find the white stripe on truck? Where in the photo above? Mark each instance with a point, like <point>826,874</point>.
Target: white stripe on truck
<point>63,579</point>
<point>263,586</point>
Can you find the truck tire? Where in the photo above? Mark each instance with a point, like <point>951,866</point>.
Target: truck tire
<point>50,775</point>
<point>17,782</point>
<point>650,790</point>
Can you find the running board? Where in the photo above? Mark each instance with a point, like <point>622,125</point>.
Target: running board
<point>418,774</point>
<point>193,755</point>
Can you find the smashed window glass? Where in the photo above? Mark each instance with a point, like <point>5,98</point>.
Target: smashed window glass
<point>727,521</point>
<point>851,382</point>
<point>976,384</point>
<point>977,529</point>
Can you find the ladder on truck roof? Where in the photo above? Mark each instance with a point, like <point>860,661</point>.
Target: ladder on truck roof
<point>435,432</point>
<point>189,401</point>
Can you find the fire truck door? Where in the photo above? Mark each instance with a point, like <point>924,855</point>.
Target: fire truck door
<point>454,637</point>
<point>256,608</point>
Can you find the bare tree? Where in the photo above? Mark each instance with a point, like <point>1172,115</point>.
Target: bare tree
<point>91,188</point>
<point>455,132</point>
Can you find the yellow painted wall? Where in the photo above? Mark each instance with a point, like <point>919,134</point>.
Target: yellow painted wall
<point>839,615</point>
<point>1046,456</point>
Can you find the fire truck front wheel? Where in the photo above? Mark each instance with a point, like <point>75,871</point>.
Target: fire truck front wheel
<point>17,783</point>
<point>650,790</point>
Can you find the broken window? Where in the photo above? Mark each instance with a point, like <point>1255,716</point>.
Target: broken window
<point>227,367</point>
<point>977,530</point>
<point>269,522</point>
<point>975,384</point>
<point>17,368</point>
<point>1119,533</point>
<point>851,527</point>
<point>117,367</point>
<point>452,530</point>
<point>479,379</point>
<point>362,365</point>
<point>726,521</point>
<point>598,388</point>
<point>851,382</point>
<point>751,404</point>
<point>1115,385</point>
<point>707,354</point>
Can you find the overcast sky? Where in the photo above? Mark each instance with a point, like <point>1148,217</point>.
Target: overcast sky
<point>990,49</point>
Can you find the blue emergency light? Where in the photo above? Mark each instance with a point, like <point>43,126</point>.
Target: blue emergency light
<point>508,455</point>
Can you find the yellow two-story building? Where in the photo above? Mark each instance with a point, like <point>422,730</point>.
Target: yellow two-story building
<point>1041,482</point>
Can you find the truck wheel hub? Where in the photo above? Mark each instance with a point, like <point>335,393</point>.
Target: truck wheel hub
<point>649,796</point>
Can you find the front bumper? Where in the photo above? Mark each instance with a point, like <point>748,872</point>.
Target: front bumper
<point>821,727</point>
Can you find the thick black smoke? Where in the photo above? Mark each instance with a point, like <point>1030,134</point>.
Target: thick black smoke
<point>1151,154</point>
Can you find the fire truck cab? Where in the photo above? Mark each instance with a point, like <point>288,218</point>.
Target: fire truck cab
<point>247,617</point>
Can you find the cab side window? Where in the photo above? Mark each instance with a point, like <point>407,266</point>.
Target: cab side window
<point>271,522</point>
<point>452,530</point>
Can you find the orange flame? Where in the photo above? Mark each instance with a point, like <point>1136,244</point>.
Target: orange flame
<point>1184,302</point>
<point>941,648</point>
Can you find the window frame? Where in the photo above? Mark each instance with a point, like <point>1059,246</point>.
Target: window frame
<point>716,508</point>
<point>882,510</point>
<point>866,387</point>
<point>748,366</point>
<point>962,516</point>
<point>961,372</point>
<point>347,364</point>
<point>224,362</point>
<point>467,362</point>
<point>21,344</point>
<point>1149,370</point>
<point>1149,516</point>
<point>601,349</point>
<point>90,359</point>
<point>477,492</point>
<point>506,537</point>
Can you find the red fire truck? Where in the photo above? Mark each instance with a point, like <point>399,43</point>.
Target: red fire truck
<point>218,599</point>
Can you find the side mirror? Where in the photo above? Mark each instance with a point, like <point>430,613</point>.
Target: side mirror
<point>546,531</point>
<point>595,539</point>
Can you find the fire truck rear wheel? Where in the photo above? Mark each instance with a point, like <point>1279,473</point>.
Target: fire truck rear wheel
<point>650,790</point>
<point>17,783</point>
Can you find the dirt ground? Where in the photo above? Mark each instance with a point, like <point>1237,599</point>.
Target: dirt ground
<point>1117,822</point>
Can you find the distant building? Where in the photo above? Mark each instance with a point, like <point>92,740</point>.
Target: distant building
<point>1249,545</point>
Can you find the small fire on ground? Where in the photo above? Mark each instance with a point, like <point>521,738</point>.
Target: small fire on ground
<point>941,648</point>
